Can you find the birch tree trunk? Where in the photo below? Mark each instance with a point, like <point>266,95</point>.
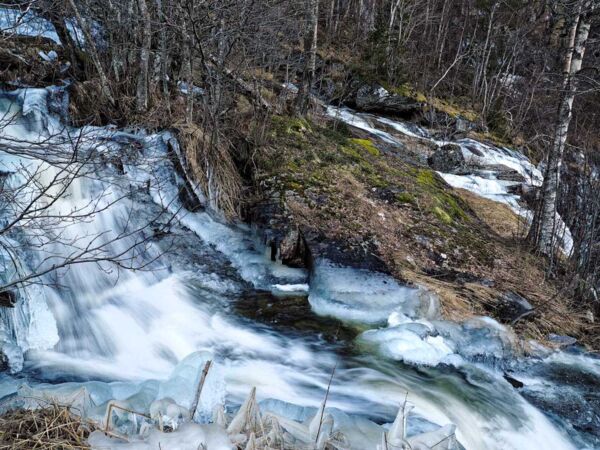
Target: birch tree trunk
<point>310,55</point>
<point>544,232</point>
<point>144,62</point>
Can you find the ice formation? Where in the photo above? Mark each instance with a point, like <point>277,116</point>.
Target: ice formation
<point>143,329</point>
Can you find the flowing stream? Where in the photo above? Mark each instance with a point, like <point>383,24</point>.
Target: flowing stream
<point>202,290</point>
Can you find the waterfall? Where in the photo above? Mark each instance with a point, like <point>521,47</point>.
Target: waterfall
<point>158,295</point>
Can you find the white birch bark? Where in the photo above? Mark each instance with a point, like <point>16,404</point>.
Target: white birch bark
<point>544,229</point>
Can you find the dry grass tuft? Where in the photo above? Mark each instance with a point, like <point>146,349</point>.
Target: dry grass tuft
<point>499,217</point>
<point>53,427</point>
<point>212,167</point>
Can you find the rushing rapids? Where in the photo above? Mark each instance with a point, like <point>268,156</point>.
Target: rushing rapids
<point>141,333</point>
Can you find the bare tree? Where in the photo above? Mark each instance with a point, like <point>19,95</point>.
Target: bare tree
<point>545,230</point>
<point>310,56</point>
<point>46,223</point>
<point>142,83</point>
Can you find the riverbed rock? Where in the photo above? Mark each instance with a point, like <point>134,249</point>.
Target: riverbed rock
<point>513,307</point>
<point>447,158</point>
<point>292,249</point>
<point>507,174</point>
<point>300,246</point>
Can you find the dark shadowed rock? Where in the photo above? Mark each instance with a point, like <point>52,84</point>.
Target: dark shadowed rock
<point>292,249</point>
<point>447,159</point>
<point>7,299</point>
<point>507,174</point>
<point>513,307</point>
<point>298,247</point>
<point>374,98</point>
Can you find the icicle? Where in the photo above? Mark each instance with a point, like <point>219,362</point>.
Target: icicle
<point>325,432</point>
<point>396,436</point>
<point>251,445</point>
<point>275,437</point>
<point>315,423</point>
<point>219,416</point>
<point>167,412</point>
<point>248,417</point>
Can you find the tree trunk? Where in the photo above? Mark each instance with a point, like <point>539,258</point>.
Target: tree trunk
<point>91,47</point>
<point>164,54</point>
<point>144,62</point>
<point>310,56</point>
<point>544,233</point>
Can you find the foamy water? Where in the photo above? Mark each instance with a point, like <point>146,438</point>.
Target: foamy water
<point>138,335</point>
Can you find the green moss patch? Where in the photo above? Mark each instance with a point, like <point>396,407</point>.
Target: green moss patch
<point>366,144</point>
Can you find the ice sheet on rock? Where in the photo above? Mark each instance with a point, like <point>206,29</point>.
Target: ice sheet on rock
<point>406,343</point>
<point>479,339</point>
<point>29,324</point>
<point>490,188</point>
<point>360,295</point>
<point>189,436</point>
<point>409,129</point>
<point>248,255</point>
<point>290,289</point>
<point>14,21</point>
<point>351,118</point>
<point>487,155</point>
<point>92,398</point>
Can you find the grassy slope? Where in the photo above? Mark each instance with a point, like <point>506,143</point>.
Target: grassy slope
<point>467,249</point>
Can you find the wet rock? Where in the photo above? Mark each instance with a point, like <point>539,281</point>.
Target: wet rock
<point>292,249</point>
<point>513,381</point>
<point>374,98</point>
<point>569,392</point>
<point>507,174</point>
<point>447,159</point>
<point>299,247</point>
<point>8,299</point>
<point>513,307</point>
<point>561,341</point>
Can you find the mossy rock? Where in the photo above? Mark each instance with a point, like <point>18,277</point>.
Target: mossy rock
<point>406,198</point>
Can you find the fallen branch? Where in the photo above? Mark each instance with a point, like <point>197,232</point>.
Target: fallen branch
<point>194,406</point>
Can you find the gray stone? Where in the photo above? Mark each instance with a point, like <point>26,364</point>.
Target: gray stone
<point>561,341</point>
<point>374,98</point>
<point>513,307</point>
<point>447,159</point>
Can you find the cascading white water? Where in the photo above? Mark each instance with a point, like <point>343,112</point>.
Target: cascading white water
<point>112,331</point>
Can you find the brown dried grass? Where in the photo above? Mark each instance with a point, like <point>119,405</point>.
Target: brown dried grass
<point>212,167</point>
<point>54,427</point>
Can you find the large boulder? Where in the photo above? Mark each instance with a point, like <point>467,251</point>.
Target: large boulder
<point>375,98</point>
<point>513,307</point>
<point>447,158</point>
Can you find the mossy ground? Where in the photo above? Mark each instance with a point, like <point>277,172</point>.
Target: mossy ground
<point>346,187</point>
<point>453,108</point>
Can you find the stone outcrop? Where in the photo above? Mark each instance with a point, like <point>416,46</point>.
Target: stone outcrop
<point>447,158</point>
<point>374,98</point>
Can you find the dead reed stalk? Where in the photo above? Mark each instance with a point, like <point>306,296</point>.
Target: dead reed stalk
<point>53,427</point>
